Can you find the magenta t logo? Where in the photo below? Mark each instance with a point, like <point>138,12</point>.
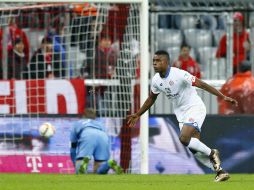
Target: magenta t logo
<point>34,162</point>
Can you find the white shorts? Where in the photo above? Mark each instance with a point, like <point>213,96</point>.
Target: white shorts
<point>194,116</point>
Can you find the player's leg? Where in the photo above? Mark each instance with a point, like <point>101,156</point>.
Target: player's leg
<point>102,154</point>
<point>81,165</point>
<point>186,137</point>
<point>209,157</point>
<point>192,120</point>
<point>204,158</point>
<point>201,157</point>
<point>102,167</point>
<point>221,175</point>
<point>85,151</point>
<point>113,165</point>
<point>189,137</point>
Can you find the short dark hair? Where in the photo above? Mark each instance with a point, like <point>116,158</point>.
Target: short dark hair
<point>163,52</point>
<point>17,41</point>
<point>89,113</point>
<point>185,45</point>
<point>46,40</point>
<point>245,66</point>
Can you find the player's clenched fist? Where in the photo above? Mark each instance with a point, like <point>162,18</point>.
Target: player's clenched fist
<point>231,100</point>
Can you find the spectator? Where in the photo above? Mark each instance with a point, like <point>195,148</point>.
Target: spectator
<point>15,32</point>
<point>102,67</point>
<point>59,45</point>
<point>45,63</point>
<point>1,70</point>
<point>240,87</point>
<point>186,62</point>
<point>16,60</point>
<point>241,43</point>
<point>89,139</point>
<point>83,19</point>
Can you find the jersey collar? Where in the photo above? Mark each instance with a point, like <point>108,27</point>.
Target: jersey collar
<point>168,71</point>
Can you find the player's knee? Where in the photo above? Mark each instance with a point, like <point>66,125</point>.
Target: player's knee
<point>184,140</point>
<point>102,168</point>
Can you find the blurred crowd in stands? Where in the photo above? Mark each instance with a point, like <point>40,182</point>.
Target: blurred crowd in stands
<point>43,63</point>
<point>98,44</point>
<point>241,43</point>
<point>193,33</point>
<point>205,37</point>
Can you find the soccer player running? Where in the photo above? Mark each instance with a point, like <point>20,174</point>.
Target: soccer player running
<point>89,139</point>
<point>179,86</point>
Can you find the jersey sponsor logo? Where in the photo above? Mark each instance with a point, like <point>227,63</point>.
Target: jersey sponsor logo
<point>171,83</point>
<point>169,95</point>
<point>173,95</point>
<point>168,91</point>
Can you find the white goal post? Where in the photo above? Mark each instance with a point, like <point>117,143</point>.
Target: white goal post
<point>144,63</point>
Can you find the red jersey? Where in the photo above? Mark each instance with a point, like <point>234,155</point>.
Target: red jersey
<point>238,49</point>
<point>15,33</point>
<point>189,65</point>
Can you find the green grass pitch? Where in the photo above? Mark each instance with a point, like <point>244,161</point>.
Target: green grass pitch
<point>122,182</point>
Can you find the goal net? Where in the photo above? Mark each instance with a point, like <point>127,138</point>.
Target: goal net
<point>57,59</point>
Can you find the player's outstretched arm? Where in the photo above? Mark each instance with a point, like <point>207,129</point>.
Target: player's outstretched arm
<point>132,119</point>
<point>201,84</point>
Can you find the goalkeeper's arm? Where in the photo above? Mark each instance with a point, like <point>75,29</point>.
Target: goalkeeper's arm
<point>73,152</point>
